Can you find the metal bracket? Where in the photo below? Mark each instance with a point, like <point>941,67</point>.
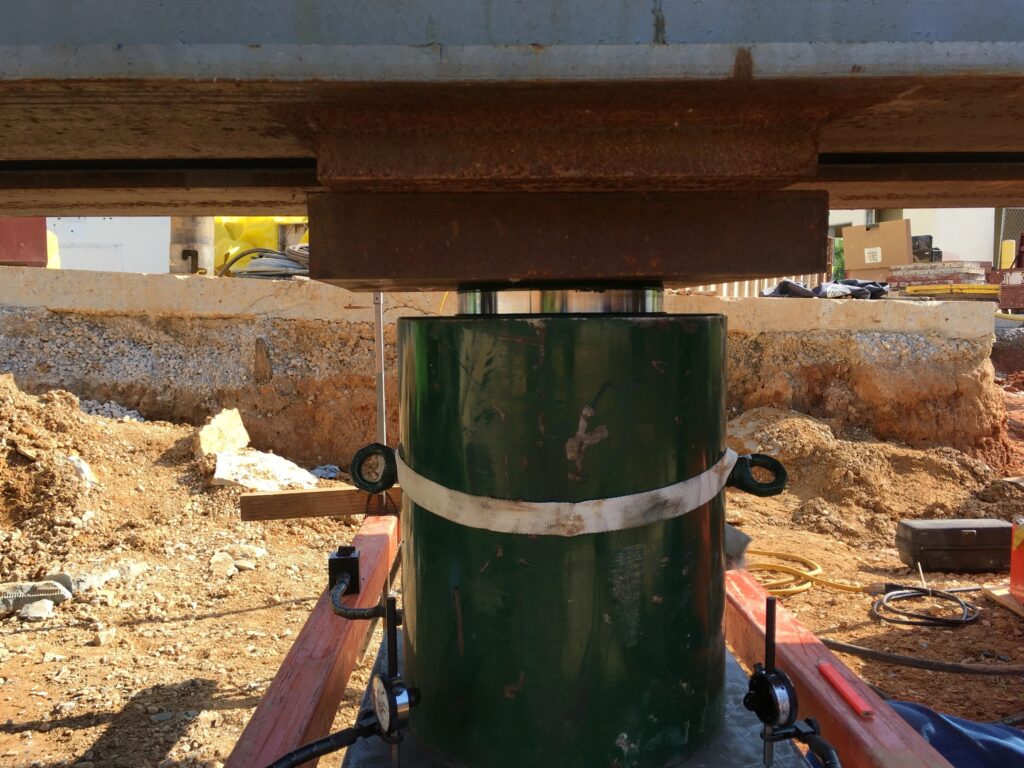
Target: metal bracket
<point>341,562</point>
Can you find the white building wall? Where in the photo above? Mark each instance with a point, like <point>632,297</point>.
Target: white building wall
<point>845,218</point>
<point>963,234</point>
<point>113,244</point>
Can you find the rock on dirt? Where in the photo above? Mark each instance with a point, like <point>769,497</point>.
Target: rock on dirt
<point>37,610</point>
<point>104,636</point>
<point>84,471</point>
<point>258,471</point>
<point>223,565</point>
<point>224,433</point>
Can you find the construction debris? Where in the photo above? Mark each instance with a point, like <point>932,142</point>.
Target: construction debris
<point>327,471</point>
<point>17,596</point>
<point>221,448</point>
<point>938,273</point>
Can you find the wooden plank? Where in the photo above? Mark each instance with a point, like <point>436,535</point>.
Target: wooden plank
<point>300,704</point>
<point>882,741</point>
<point>318,502</point>
<point>1001,594</point>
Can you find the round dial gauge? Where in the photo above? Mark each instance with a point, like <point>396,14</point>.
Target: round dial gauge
<point>382,704</point>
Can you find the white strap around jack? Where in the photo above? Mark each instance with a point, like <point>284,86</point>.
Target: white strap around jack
<point>566,518</point>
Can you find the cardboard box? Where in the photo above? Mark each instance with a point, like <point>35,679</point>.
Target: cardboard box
<point>877,246</point>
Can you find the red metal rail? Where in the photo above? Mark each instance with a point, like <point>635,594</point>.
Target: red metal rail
<point>881,741</point>
<point>300,704</point>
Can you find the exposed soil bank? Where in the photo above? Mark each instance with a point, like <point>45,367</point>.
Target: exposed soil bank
<point>296,358</point>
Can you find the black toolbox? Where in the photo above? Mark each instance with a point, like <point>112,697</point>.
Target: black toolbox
<point>955,545</point>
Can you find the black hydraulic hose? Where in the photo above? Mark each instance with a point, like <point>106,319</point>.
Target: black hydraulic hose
<point>242,254</point>
<point>824,751</point>
<point>1015,719</point>
<point>885,610</point>
<point>1007,670</point>
<point>324,746</point>
<point>352,614</point>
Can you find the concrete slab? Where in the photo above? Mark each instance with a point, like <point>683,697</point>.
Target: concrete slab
<point>126,293</point>
<point>948,319</point>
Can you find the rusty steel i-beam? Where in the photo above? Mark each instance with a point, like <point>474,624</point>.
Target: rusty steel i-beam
<point>437,241</point>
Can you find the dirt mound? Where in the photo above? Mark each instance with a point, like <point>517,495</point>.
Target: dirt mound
<point>43,494</point>
<point>858,487</point>
<point>159,658</point>
<point>65,474</point>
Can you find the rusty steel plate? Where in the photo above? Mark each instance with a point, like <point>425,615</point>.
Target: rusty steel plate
<point>440,241</point>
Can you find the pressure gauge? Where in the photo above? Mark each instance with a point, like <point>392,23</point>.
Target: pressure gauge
<point>391,703</point>
<point>383,703</point>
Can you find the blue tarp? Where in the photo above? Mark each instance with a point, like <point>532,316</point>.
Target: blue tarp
<point>964,743</point>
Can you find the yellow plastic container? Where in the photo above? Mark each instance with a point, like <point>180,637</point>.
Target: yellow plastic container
<point>1007,254</point>
<point>234,234</point>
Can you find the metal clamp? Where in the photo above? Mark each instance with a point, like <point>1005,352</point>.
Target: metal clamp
<point>388,473</point>
<point>344,563</point>
<point>742,475</point>
<point>772,697</point>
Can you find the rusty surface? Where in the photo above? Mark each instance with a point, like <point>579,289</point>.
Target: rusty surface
<point>1011,297</point>
<point>611,137</point>
<point>23,241</point>
<point>744,132</point>
<point>415,241</point>
<point>166,188</point>
<point>904,181</point>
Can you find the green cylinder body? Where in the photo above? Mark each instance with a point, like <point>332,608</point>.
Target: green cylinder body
<point>585,651</point>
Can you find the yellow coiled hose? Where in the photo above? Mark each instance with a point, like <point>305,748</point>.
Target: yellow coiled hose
<point>797,579</point>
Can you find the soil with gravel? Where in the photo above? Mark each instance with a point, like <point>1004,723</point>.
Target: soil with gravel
<point>856,488</point>
<point>844,498</point>
<point>997,638</point>
<point>191,653</point>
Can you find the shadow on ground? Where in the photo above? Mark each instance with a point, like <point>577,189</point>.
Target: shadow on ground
<point>163,713</point>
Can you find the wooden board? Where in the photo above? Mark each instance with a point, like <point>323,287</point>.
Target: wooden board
<point>300,704</point>
<point>319,502</point>
<point>980,290</point>
<point>1001,594</point>
<point>881,741</point>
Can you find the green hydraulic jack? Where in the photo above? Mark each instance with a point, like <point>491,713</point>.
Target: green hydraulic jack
<point>562,458</point>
